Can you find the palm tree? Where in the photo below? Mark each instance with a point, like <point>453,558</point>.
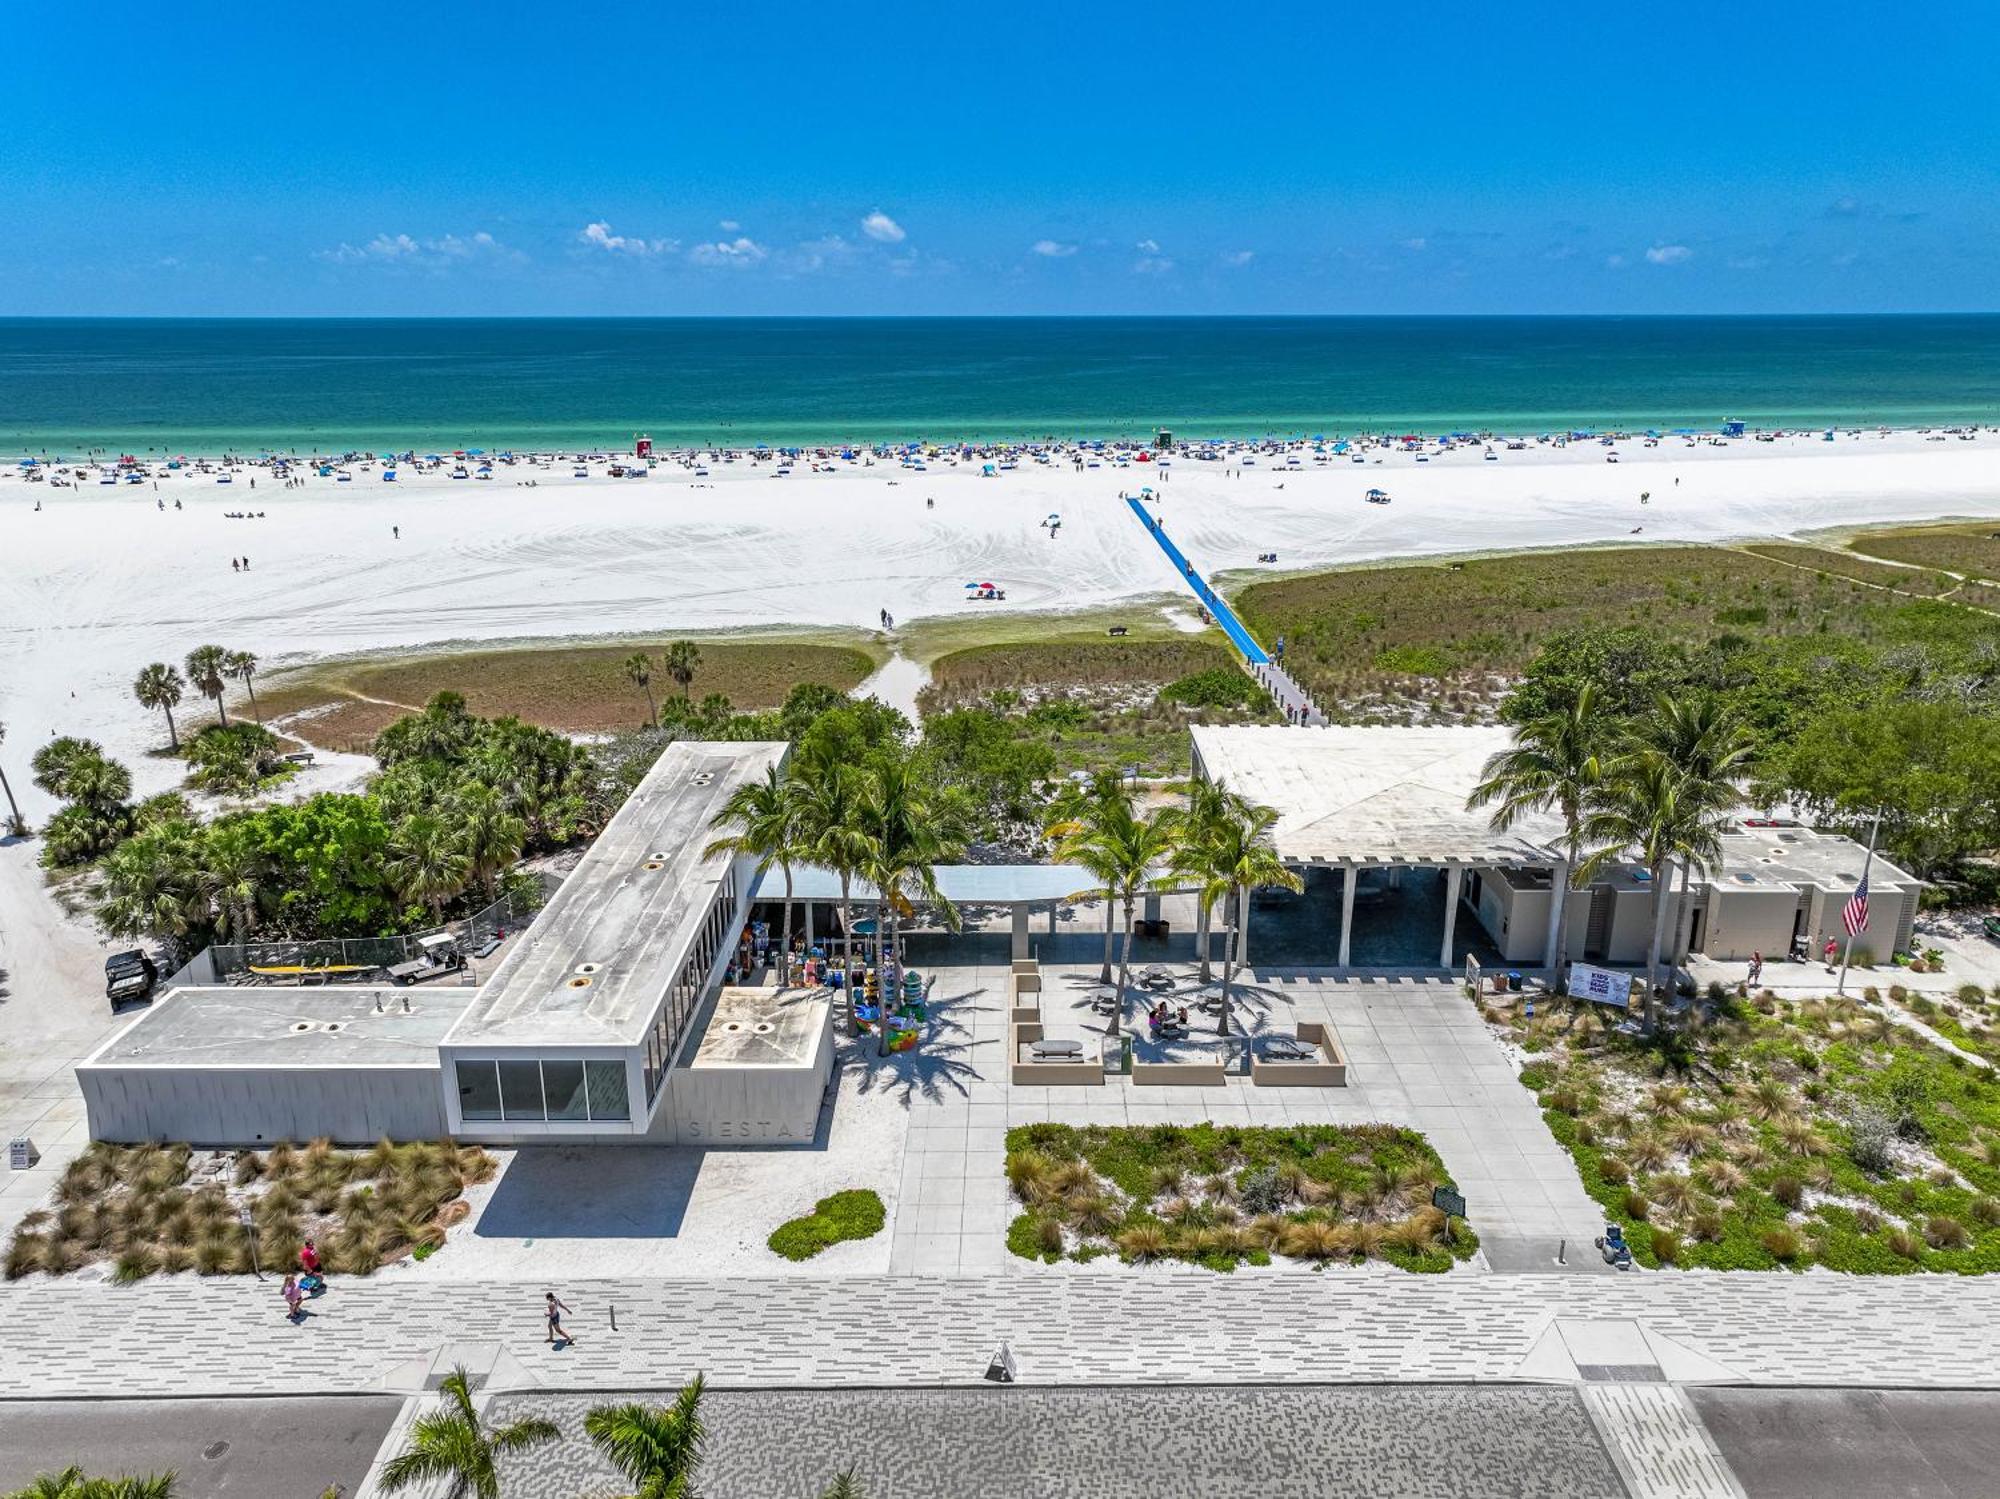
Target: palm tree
<point>492,834</point>
<point>454,1445</point>
<point>16,823</point>
<point>1121,850</point>
<point>910,828</point>
<point>160,686</point>
<point>243,666</point>
<point>1711,749</point>
<point>1555,762</point>
<point>638,668</point>
<point>1208,804</point>
<point>657,1448</point>
<point>427,861</point>
<point>207,667</point>
<point>234,867</point>
<point>73,1483</point>
<point>1074,808</point>
<point>766,816</point>
<point>831,831</point>
<point>1239,858</point>
<point>77,770</point>
<point>682,660</point>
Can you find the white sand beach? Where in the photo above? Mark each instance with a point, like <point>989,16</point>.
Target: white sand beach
<point>99,581</point>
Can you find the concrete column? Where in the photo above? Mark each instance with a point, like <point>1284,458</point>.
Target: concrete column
<point>1149,907</point>
<point>1020,914</point>
<point>809,926</point>
<point>1453,875</point>
<point>1558,881</point>
<point>1349,873</point>
<point>1243,921</point>
<point>1052,918</point>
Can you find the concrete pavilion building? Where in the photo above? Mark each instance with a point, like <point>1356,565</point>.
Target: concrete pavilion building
<point>1400,874</point>
<point>596,1026</point>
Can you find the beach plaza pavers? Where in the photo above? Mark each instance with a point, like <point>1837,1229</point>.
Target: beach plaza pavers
<point>1418,1055</point>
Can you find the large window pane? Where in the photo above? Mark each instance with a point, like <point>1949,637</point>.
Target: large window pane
<point>478,1091</point>
<point>607,1090</point>
<point>563,1081</point>
<point>521,1090</point>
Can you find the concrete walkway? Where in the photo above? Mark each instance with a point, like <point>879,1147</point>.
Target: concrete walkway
<point>1105,1325</point>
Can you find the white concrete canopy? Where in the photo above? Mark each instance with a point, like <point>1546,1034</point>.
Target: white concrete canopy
<point>1375,795</point>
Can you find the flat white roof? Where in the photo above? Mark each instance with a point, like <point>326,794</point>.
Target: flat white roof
<point>631,908</point>
<point>332,1025</point>
<point>763,1028</point>
<point>1386,795</point>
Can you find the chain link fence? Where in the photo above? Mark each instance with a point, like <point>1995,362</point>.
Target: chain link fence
<point>358,959</point>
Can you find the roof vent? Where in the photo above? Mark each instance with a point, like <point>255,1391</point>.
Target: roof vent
<point>300,1027</point>
<point>579,982</point>
<point>333,1025</point>
<point>763,1027</point>
<point>703,777</point>
<point>586,969</point>
<point>732,1025</point>
<point>654,863</point>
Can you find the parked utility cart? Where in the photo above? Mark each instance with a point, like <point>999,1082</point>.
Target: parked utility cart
<point>440,955</point>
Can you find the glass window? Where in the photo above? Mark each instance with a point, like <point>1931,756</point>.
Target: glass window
<point>563,1082</point>
<point>521,1090</point>
<point>478,1090</point>
<point>607,1090</point>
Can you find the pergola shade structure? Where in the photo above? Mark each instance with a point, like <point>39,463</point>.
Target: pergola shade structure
<point>1393,798</point>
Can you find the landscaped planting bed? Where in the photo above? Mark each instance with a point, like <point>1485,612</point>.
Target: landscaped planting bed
<point>153,1208</point>
<point>1224,1195</point>
<point>856,1214</point>
<point>1758,1134</point>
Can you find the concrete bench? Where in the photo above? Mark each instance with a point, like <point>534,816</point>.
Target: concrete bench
<point>1025,1071</point>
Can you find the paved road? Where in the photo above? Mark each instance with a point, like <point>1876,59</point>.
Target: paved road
<point>245,1449</point>
<point>1809,1444</point>
<point>1259,1442</point>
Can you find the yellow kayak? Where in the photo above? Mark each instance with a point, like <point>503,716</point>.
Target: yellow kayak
<point>298,968</point>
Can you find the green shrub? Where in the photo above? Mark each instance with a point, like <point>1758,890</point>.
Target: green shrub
<point>1218,687</point>
<point>857,1214</point>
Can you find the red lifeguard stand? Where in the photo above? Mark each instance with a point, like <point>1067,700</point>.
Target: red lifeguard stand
<point>643,447</point>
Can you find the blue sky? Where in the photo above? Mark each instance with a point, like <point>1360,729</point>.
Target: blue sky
<point>767,156</point>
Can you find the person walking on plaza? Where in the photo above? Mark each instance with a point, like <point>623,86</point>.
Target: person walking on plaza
<point>554,1310</point>
<point>1756,966</point>
<point>294,1299</point>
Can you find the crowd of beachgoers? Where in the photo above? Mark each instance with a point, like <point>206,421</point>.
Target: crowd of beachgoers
<point>106,468</point>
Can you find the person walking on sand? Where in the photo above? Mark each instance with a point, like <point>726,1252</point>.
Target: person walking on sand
<point>553,1310</point>
<point>397,532</point>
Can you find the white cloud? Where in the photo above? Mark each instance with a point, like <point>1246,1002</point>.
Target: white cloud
<point>403,249</point>
<point>880,227</point>
<point>740,251</point>
<point>1238,257</point>
<point>599,234</point>
<point>1668,254</point>
<point>816,254</point>
<point>1415,243</point>
<point>1148,247</point>
<point>1614,261</point>
<point>729,226</point>
<point>1151,262</point>
<point>1052,249</point>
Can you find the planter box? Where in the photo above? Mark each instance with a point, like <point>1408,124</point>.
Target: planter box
<point>1329,1072</point>
<point>1087,1071</point>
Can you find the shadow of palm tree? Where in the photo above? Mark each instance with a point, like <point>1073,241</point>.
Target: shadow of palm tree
<point>934,1067</point>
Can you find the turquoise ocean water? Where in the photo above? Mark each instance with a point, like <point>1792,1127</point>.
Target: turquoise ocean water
<point>211,386</point>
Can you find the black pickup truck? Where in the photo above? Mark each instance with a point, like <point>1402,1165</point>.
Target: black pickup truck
<point>129,976</point>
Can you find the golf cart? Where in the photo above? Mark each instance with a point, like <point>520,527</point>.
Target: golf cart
<point>129,975</point>
<point>439,955</point>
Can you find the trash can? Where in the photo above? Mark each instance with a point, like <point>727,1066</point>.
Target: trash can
<point>1513,981</point>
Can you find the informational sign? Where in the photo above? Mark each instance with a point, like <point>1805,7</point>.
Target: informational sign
<point>21,1153</point>
<point>1448,1202</point>
<point>1604,986</point>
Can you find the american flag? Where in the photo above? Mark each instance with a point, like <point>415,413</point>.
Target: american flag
<point>1854,915</point>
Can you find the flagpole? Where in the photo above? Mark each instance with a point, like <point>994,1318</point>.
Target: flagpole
<point>1867,863</point>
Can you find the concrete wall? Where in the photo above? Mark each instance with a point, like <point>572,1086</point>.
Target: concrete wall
<point>243,1106</point>
<point>1517,921</point>
<point>740,1105</point>
<point>1746,919</point>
